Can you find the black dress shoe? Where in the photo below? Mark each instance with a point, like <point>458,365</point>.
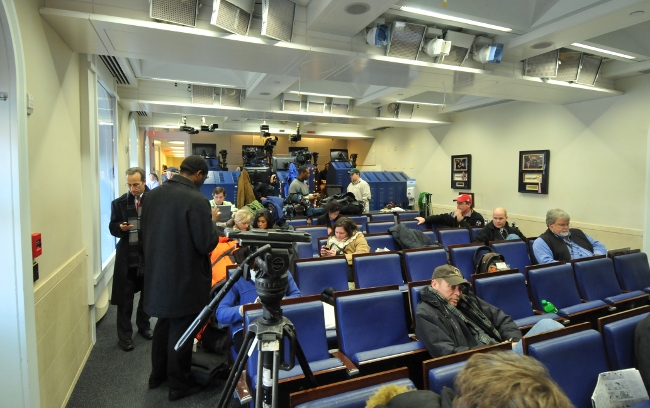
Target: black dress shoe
<point>155,382</point>
<point>147,334</point>
<point>126,345</point>
<point>176,394</point>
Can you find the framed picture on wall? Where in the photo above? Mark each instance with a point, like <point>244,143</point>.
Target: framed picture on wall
<point>533,171</point>
<point>461,171</point>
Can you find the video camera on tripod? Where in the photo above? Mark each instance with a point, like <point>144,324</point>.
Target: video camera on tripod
<point>270,260</point>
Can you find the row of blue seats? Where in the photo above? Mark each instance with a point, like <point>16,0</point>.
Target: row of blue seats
<point>363,219</point>
<point>574,356</point>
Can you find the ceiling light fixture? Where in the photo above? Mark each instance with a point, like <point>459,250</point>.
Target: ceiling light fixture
<point>319,94</point>
<point>422,103</point>
<point>616,54</point>
<point>176,142</point>
<point>193,82</point>
<point>415,10</point>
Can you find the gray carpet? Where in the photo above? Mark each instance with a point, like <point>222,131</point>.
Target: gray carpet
<point>114,378</point>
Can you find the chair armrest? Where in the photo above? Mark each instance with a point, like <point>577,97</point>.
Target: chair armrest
<point>538,312</point>
<point>413,338</point>
<point>349,365</point>
<point>242,392</point>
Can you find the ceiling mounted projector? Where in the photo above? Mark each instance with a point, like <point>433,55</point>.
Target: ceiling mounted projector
<point>378,36</point>
<point>438,47</point>
<point>489,54</point>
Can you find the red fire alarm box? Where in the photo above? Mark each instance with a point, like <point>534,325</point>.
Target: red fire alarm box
<point>37,249</point>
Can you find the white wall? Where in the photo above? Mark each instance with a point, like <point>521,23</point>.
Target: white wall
<point>597,165</point>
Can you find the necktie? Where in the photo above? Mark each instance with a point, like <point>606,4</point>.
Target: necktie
<point>504,233</point>
<point>137,203</point>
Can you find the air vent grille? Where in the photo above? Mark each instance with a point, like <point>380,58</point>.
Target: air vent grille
<point>231,97</point>
<point>339,109</point>
<point>315,107</point>
<point>142,113</point>
<point>230,17</point>
<point>181,12</point>
<point>277,19</point>
<point>543,65</point>
<point>202,94</point>
<point>589,70</point>
<point>405,40</point>
<point>456,57</point>
<point>405,111</point>
<point>293,106</point>
<point>116,70</point>
<point>569,66</point>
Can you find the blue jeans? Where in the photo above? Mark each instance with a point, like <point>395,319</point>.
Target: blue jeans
<point>542,326</point>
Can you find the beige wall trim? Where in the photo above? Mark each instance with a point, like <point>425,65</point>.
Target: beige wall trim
<point>76,377</point>
<point>42,287</point>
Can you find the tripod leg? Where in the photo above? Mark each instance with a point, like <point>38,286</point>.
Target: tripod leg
<point>304,365</point>
<point>237,369</point>
<point>268,367</point>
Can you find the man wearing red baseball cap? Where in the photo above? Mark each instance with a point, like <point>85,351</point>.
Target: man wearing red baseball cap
<point>463,217</point>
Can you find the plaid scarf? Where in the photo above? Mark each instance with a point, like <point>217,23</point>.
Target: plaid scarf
<point>135,246</point>
<point>339,245</point>
<point>471,314</point>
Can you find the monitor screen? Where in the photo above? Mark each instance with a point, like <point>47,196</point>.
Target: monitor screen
<point>259,174</point>
<point>339,155</point>
<point>281,163</point>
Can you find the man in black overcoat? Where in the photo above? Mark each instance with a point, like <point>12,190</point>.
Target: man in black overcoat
<point>179,232</point>
<point>127,274</point>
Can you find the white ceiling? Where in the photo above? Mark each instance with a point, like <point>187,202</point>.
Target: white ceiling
<point>328,55</point>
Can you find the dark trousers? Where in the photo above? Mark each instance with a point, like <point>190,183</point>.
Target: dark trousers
<point>165,361</point>
<point>125,310</point>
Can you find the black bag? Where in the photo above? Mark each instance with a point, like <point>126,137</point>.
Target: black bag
<point>349,203</point>
<point>482,263</point>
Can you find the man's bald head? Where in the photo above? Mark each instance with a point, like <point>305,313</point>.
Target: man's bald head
<point>499,217</point>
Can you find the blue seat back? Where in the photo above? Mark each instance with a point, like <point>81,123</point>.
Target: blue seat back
<point>383,217</point>
<point>380,241</point>
<point>444,376</point>
<point>633,271</point>
<point>474,232</point>
<point>370,321</point>
<point>305,250</point>
<point>574,362</point>
<point>315,232</point>
<point>309,320</point>
<point>507,292</point>
<point>413,224</point>
<point>531,254</point>
<point>408,215</point>
<point>619,341</point>
<point>514,252</point>
<point>379,227</point>
<point>419,265</point>
<point>415,298</point>
<point>361,220</point>
<point>554,284</point>
<point>380,269</point>
<point>596,279</point>
<point>431,234</point>
<point>463,259</point>
<point>298,222</point>
<point>453,236</point>
<point>315,276</point>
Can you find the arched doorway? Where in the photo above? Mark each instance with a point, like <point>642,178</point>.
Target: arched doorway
<point>19,384</point>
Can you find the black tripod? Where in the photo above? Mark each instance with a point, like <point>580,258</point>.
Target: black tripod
<point>271,284</point>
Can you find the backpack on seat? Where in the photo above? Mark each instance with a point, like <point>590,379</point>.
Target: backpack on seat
<point>487,262</point>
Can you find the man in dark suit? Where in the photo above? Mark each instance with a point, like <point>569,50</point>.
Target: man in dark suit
<point>127,279</point>
<point>178,233</point>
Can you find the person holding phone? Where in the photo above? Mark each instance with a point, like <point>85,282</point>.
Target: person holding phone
<point>345,239</point>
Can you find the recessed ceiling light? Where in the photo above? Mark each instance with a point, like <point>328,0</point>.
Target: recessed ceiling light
<point>542,45</point>
<point>319,94</point>
<point>452,18</point>
<point>265,93</point>
<point>175,142</point>
<point>616,54</point>
<point>357,8</point>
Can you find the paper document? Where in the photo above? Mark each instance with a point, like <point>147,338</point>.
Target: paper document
<point>619,389</point>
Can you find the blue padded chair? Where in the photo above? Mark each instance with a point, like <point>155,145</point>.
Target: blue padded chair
<point>453,236</point>
<point>514,252</point>
<point>314,276</point>
<point>309,321</point>
<point>419,263</point>
<point>413,224</point>
<point>557,285</point>
<point>379,227</point>
<point>406,216</point>
<point>444,376</point>
<point>597,281</point>
<point>316,232</point>
<point>473,232</point>
<point>574,362</point>
<point>305,250</point>
<point>380,241</point>
<point>362,221</point>
<point>633,271</point>
<point>509,293</point>
<point>298,222</point>
<point>431,234</point>
<point>414,296</point>
<point>351,393</point>
<point>377,269</point>
<point>618,334</point>
<point>462,257</point>
<point>372,325</point>
<point>382,217</point>
<point>531,254</point>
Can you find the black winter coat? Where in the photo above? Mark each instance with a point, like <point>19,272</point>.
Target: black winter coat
<point>491,233</point>
<point>121,269</point>
<point>177,236</point>
<point>474,219</point>
<point>443,333</point>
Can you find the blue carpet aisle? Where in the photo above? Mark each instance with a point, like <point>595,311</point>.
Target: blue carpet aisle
<point>114,378</point>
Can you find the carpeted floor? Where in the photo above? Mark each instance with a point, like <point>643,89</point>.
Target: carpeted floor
<point>114,378</point>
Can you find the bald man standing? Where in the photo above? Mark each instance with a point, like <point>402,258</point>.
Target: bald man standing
<point>498,229</point>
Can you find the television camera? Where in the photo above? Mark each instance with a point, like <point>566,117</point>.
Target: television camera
<point>253,157</point>
<point>353,159</point>
<point>270,261</point>
<point>223,165</point>
<point>297,137</point>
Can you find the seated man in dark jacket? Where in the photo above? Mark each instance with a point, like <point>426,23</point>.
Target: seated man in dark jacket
<point>449,321</point>
<point>499,229</point>
<point>463,217</point>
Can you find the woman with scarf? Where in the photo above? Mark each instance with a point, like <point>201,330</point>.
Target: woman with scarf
<point>345,239</point>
